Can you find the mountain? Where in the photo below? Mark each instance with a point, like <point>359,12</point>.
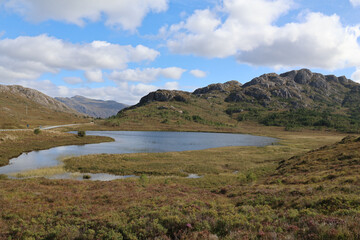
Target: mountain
<point>20,106</point>
<point>298,98</point>
<point>92,107</point>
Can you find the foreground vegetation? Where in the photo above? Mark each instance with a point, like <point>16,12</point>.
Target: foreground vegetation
<point>244,193</point>
<point>14,143</point>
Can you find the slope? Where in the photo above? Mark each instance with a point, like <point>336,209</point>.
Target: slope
<point>20,106</point>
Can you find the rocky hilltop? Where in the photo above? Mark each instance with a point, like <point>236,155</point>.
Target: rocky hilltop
<point>294,89</point>
<point>92,107</point>
<point>294,99</point>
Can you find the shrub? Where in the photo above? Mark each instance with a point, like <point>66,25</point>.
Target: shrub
<point>143,179</point>
<point>37,131</point>
<point>86,176</point>
<point>81,133</point>
<point>251,177</point>
<point>197,118</point>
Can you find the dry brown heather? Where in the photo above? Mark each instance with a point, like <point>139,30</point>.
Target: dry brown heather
<point>312,196</point>
<point>13,143</point>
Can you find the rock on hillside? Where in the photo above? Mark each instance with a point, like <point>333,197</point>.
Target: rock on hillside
<point>164,96</point>
<point>92,107</point>
<point>300,88</point>
<point>37,97</point>
<point>294,89</point>
<point>219,87</point>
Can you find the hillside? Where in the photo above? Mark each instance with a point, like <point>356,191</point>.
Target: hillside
<point>92,107</point>
<point>20,106</point>
<point>298,98</point>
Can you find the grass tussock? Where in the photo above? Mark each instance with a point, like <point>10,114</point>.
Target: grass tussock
<point>41,172</point>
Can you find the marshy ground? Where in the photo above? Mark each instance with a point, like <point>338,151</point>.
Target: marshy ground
<point>244,193</point>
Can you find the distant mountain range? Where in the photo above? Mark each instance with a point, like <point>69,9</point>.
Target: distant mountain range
<point>292,99</point>
<point>92,107</point>
<point>20,106</point>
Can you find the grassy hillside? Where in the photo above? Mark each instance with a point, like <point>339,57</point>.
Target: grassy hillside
<point>18,110</point>
<point>196,114</point>
<point>294,100</point>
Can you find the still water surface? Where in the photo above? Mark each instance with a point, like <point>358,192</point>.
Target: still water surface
<point>134,142</point>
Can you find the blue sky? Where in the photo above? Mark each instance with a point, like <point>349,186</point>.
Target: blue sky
<point>123,49</point>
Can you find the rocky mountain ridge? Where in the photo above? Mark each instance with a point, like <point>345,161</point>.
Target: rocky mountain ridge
<point>92,107</point>
<point>294,89</point>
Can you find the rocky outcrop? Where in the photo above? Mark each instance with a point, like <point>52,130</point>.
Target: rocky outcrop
<point>293,89</point>
<point>164,96</point>
<point>92,107</point>
<point>219,87</point>
<point>296,88</point>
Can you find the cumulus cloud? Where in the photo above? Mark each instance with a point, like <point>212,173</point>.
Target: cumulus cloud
<point>356,75</point>
<point>127,14</point>
<point>355,3</point>
<point>146,75</point>
<point>246,26</point>
<point>29,57</point>
<point>171,86</point>
<point>198,73</point>
<point>94,76</point>
<point>124,92</point>
<point>248,30</point>
<point>72,80</point>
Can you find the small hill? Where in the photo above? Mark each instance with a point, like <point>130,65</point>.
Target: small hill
<point>298,98</point>
<point>92,107</point>
<point>20,106</point>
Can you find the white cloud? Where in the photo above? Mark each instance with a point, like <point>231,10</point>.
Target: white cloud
<point>146,75</point>
<point>124,93</point>
<point>320,41</point>
<point>198,73</point>
<point>248,30</point>
<point>30,57</point>
<point>127,14</point>
<point>355,3</point>
<point>356,75</point>
<point>72,80</point>
<point>171,86</point>
<point>94,76</point>
<point>248,24</point>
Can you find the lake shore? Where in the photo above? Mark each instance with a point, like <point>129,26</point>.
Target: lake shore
<point>14,143</point>
<point>239,196</point>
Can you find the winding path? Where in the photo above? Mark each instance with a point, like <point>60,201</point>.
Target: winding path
<point>43,128</point>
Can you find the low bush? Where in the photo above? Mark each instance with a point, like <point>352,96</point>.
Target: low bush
<point>37,131</point>
<point>81,133</point>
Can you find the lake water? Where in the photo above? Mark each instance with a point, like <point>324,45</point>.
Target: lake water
<point>133,142</point>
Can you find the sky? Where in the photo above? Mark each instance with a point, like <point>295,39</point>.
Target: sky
<point>123,49</point>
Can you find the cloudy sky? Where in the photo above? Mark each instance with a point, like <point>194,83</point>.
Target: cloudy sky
<point>123,49</point>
